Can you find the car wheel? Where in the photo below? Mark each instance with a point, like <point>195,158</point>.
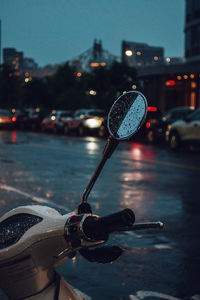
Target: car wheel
<point>66,130</point>
<point>43,129</point>
<point>101,132</point>
<point>33,127</point>
<point>55,130</point>
<point>151,138</point>
<point>81,131</point>
<point>174,141</point>
<point>21,126</point>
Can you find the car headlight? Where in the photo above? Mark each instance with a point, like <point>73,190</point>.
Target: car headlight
<point>93,123</point>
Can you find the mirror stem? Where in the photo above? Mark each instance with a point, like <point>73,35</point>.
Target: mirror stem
<point>110,146</point>
<point>108,150</point>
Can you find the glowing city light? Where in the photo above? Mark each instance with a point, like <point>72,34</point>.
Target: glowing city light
<point>92,92</point>
<point>128,52</point>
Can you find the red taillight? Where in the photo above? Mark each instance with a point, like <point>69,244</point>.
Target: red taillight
<point>152,108</point>
<point>14,119</point>
<point>148,124</point>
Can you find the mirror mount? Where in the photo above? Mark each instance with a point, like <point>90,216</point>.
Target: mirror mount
<point>108,151</point>
<point>110,147</point>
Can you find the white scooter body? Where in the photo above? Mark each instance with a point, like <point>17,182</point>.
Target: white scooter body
<point>27,267</point>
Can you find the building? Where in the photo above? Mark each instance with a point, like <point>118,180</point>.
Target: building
<point>16,60</point>
<point>0,42</point>
<point>192,30</point>
<point>177,84</point>
<point>13,58</point>
<point>29,63</point>
<point>141,55</point>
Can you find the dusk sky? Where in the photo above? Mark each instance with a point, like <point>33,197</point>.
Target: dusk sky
<point>54,31</point>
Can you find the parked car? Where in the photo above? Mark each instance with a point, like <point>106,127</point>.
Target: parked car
<point>186,131</point>
<point>156,130</point>
<point>22,118</point>
<point>56,120</point>
<point>6,120</point>
<point>29,119</point>
<point>85,121</point>
<point>35,119</point>
<point>153,115</point>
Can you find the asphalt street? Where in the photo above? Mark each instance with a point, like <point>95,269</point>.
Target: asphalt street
<point>157,184</point>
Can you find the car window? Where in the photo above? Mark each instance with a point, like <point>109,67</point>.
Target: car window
<point>79,112</point>
<point>179,114</point>
<point>67,114</point>
<point>153,114</point>
<point>4,113</point>
<point>96,113</point>
<point>194,116</point>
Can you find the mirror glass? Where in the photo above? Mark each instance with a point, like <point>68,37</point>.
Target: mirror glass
<point>127,115</point>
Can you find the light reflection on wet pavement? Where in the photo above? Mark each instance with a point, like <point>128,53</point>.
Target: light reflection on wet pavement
<point>156,183</point>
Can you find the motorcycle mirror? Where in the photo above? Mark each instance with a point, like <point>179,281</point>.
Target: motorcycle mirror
<point>127,115</point>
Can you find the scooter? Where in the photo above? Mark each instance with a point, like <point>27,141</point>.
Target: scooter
<point>34,240</point>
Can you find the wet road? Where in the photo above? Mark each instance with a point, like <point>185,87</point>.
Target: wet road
<point>156,183</point>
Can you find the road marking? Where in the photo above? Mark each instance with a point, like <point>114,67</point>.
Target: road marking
<point>144,294</point>
<point>34,198</point>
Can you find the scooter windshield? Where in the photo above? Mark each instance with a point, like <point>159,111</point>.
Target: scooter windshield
<point>14,227</point>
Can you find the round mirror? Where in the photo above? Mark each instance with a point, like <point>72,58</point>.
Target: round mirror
<point>127,114</point>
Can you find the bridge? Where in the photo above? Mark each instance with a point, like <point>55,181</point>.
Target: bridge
<point>92,58</point>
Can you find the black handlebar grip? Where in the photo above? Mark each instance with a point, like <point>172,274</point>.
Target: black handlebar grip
<point>99,228</point>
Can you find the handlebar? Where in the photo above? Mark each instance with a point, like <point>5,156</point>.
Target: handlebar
<point>100,228</point>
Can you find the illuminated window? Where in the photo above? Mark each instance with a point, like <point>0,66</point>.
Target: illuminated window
<point>193,85</point>
<point>192,99</point>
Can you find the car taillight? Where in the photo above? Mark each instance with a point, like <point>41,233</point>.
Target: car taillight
<point>148,124</point>
<point>152,108</point>
<point>14,119</point>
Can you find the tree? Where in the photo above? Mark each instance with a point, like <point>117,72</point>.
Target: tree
<point>10,88</point>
